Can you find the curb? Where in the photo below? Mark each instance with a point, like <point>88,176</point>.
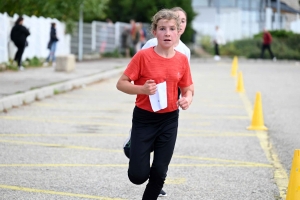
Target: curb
<point>17,100</point>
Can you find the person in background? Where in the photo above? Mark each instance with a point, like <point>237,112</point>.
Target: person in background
<point>143,35</point>
<point>267,40</point>
<point>52,45</point>
<point>18,35</point>
<point>126,41</point>
<point>218,40</point>
<point>136,36</point>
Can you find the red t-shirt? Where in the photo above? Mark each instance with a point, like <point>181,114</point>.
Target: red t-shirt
<point>267,38</point>
<point>147,64</point>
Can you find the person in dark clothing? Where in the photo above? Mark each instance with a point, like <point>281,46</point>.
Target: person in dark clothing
<point>52,45</point>
<point>267,40</point>
<point>126,40</point>
<point>18,35</point>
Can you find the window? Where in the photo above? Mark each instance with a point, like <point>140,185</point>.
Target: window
<point>196,3</point>
<point>227,3</point>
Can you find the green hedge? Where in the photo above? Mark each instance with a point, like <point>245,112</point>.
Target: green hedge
<point>285,45</point>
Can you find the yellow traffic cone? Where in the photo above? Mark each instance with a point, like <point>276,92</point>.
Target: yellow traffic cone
<point>293,192</point>
<point>234,67</point>
<point>257,118</point>
<point>240,83</point>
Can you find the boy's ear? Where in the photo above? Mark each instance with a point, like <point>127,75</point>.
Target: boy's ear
<point>154,32</point>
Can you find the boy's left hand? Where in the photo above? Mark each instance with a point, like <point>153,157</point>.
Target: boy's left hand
<point>184,102</point>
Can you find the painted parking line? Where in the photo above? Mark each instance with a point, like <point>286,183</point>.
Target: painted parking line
<point>242,163</point>
<point>126,135</point>
<point>120,116</point>
<point>37,119</point>
<point>60,146</point>
<point>25,189</point>
<point>280,175</point>
<point>126,165</point>
<point>175,181</point>
<point>121,105</point>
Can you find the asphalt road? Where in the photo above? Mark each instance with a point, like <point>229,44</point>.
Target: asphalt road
<point>70,146</point>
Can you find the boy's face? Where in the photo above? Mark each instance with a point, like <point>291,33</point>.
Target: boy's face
<point>182,18</point>
<point>166,33</point>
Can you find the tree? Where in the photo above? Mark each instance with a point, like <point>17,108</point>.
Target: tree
<point>143,10</point>
<point>66,10</point>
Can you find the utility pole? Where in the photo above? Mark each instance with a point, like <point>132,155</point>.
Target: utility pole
<point>249,10</point>
<point>278,15</point>
<point>218,12</point>
<point>268,16</point>
<point>80,33</point>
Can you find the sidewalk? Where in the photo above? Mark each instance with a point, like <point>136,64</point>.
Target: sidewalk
<point>23,87</point>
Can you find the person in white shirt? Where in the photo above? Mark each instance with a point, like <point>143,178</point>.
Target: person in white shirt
<point>218,40</point>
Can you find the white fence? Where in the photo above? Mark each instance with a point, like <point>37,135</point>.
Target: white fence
<point>101,37</point>
<point>39,28</point>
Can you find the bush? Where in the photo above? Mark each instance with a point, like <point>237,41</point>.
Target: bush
<point>113,54</point>
<point>34,62</point>
<point>285,45</point>
<point>206,43</point>
<point>277,34</point>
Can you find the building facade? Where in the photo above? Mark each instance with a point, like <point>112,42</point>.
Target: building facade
<point>243,18</point>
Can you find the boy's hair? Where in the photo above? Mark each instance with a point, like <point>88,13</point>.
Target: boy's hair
<point>164,14</point>
<point>175,9</point>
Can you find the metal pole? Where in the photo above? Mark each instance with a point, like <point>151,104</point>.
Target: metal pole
<point>218,12</point>
<point>269,3</point>
<point>278,14</point>
<point>261,16</point>
<point>249,5</point>
<point>80,33</point>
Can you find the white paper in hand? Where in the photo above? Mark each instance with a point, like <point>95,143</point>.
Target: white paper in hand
<point>159,99</point>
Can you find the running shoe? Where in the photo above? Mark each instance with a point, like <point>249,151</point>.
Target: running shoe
<point>126,145</point>
<point>162,193</point>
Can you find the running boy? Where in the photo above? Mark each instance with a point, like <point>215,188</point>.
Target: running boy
<point>157,73</point>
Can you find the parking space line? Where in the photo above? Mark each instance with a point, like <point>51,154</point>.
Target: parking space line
<point>25,189</point>
<point>64,121</point>
<point>60,145</point>
<point>126,165</point>
<point>121,151</point>
<point>49,119</point>
<point>222,160</point>
<point>175,181</point>
<point>125,135</point>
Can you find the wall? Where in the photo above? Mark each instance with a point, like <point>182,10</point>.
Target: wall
<point>232,21</point>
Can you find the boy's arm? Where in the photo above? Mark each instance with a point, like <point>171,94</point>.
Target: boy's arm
<point>124,84</point>
<point>186,99</point>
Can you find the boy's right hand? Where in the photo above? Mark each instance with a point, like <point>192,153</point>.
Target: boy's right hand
<point>149,87</point>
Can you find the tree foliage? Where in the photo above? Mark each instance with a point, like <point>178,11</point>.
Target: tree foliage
<point>143,10</point>
<point>116,10</point>
<point>66,10</point>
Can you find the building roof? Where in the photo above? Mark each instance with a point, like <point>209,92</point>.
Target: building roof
<point>284,8</point>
